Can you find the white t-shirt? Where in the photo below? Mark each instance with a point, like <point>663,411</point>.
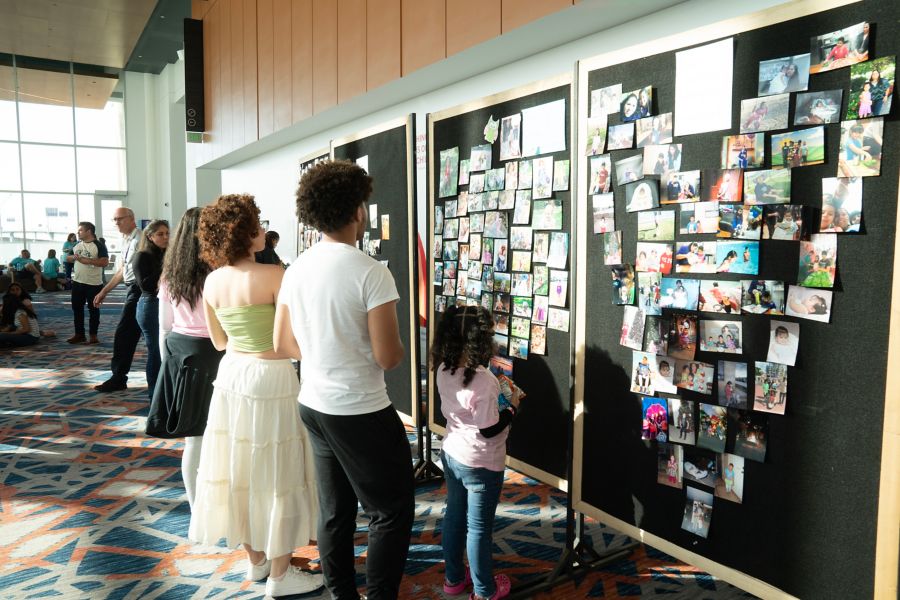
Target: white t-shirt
<point>330,290</point>
<point>89,274</point>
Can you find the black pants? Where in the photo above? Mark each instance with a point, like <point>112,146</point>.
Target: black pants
<point>128,333</point>
<point>364,458</point>
<point>81,294</point>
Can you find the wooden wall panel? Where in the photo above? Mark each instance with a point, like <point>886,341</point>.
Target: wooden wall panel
<point>237,73</point>
<point>199,8</point>
<point>423,33</point>
<point>214,125</point>
<point>518,12</point>
<point>225,46</point>
<point>282,50</point>
<point>351,49</point>
<point>325,66</point>
<point>382,42</point>
<point>301,59</point>
<point>251,68</point>
<point>471,22</point>
<point>265,58</point>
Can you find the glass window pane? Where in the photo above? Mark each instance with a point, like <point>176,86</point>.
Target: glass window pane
<point>86,209</point>
<point>101,126</point>
<point>11,225</point>
<point>49,219</point>
<point>101,169</point>
<point>9,167</point>
<point>108,229</point>
<point>45,106</point>
<point>8,129</point>
<point>48,168</point>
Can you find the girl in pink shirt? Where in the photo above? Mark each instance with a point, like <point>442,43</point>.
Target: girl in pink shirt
<point>474,449</point>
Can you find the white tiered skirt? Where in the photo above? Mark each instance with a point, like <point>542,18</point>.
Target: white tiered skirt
<point>256,481</point>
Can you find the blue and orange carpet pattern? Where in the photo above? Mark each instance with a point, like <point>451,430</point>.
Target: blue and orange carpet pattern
<point>91,508</point>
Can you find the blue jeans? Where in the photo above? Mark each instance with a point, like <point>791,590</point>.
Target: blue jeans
<point>472,497</point>
<point>148,320</point>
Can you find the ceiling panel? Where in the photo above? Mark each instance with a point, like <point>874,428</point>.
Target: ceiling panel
<point>49,87</point>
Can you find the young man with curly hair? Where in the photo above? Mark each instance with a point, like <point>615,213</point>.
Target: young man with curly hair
<point>337,309</point>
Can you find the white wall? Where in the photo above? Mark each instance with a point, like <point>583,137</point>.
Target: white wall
<point>272,177</point>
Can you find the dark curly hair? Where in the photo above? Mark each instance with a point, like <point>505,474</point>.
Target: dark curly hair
<point>227,228</point>
<point>183,270</point>
<point>464,332</point>
<point>329,194</point>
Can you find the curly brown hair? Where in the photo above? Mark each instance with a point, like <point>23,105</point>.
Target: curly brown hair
<point>464,332</point>
<point>329,194</point>
<point>227,228</point>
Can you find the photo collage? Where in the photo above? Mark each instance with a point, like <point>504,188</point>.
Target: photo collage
<point>500,232</point>
<point>697,286</point>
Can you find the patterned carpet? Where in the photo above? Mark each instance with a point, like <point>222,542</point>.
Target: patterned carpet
<point>90,508</point>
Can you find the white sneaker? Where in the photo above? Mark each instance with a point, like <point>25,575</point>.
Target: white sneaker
<point>40,290</point>
<point>295,581</point>
<point>258,572</point>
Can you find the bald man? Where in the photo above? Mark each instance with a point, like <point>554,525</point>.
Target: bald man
<point>128,333</point>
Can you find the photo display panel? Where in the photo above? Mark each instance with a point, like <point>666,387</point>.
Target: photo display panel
<point>736,313</point>
<point>307,236</point>
<point>387,153</point>
<point>500,181</point>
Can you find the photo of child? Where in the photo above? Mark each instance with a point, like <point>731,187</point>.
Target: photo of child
<point>538,344</point>
<point>636,104</point>
<point>654,257</point>
<point>510,137</point>
<point>620,137</point>
<point>713,429</point>
<point>560,176</point>
<point>762,297</point>
<point>786,74</point>
<point>629,169</point>
<point>696,257</point>
<point>681,186</point>
<point>649,293</point>
<point>744,151</point>
<point>642,195</point>
<point>720,296</point>
<point>784,340</point>
<point>768,187</point>
<point>860,148</point>
<point>694,375</point>
<point>799,148</point>
<point>542,183</point>
<point>840,48</point>
<point>558,256</point>
<point>526,171</point>
<point>787,222</point>
<point>656,225</point>
<point>595,135</point>
<point>731,384</point>
<point>737,257</point>
<point>541,247</point>
<point>871,88</point>
<point>697,511</point>
<point>682,337</point>
<point>599,179</point>
<point>679,293</point>
<point>722,185</point>
<point>808,303</point>
<point>818,108</point>
<point>479,160</point>
<point>605,101</point>
<point>681,421</point>
<point>841,205</point>
<point>670,468</point>
<point>655,418</point>
<point>699,218</point>
<point>765,114</point>
<point>740,222</point>
<point>622,284</point>
<point>449,160</point>
<point>656,336</point>
<point>721,336</point>
<point>612,248</point>
<point>730,485</point>
<point>818,261</point>
<point>604,213</point>
<point>771,387</point>
<point>654,130</point>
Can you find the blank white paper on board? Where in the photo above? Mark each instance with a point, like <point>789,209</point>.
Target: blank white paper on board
<point>703,82</point>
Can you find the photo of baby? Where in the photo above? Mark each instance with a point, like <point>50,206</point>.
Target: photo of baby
<point>642,195</point>
<point>784,340</point>
<point>818,108</point>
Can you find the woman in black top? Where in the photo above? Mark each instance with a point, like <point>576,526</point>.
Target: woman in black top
<point>268,256</point>
<point>148,263</point>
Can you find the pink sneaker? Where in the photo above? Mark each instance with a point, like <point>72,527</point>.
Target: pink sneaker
<point>459,588</point>
<point>503,584</point>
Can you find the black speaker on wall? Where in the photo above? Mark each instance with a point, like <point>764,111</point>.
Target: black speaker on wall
<point>193,75</point>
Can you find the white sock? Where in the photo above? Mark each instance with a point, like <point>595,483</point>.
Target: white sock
<point>190,462</point>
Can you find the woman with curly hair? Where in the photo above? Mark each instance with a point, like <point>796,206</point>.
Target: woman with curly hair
<point>255,484</point>
<point>148,264</point>
<point>474,449</point>
<point>338,308</point>
<point>189,360</point>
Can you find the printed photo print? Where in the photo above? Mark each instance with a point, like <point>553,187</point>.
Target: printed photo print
<point>787,222</point>
<point>740,222</point>
<point>654,257</point>
<point>655,418</point>
<point>765,114</point>
<point>713,430</point>
<point>538,343</point>
<point>699,218</point>
<point>700,467</point>
<point>541,283</point>
<point>721,336</point>
<point>541,248</point>
<point>604,213</point>
<point>737,257</point>
<point>501,342</point>
<point>656,225</point>
<point>649,293</point>
<point>606,100</point>
<point>695,257</point>
<point>540,310</point>
<point>722,185</point>
<point>840,48</point>
<point>860,148</point>
<point>507,198</point>
<point>654,130</point>
<point>662,160</point>
<point>762,297</point>
<point>518,347</point>
<point>622,284</point>
<point>841,205</point>
<point>629,169</point>
<point>732,384</point>
<point>522,284</point>
<point>464,171</point>
<point>785,74</point>
<point>542,182</point>
<point>479,160</point>
<point>496,225</point>
<point>558,256</point>
<point>695,376</point>
<point>494,179</point>
<point>784,340</point>
<point>558,319</point>
<point>681,186</point>
<point>449,172</point>
<point>807,303</point>
<point>751,434</point>
<point>670,467</point>
<point>770,394</point>
<point>683,336</point>
<point>642,195</point>
<point>799,148</point>
<point>818,261</point>
<point>768,187</point>
<point>720,296</point>
<point>632,333</point>
<point>818,108</point>
<point>730,485</point>
<point>636,104</point>
<point>871,88</point>
<point>620,137</point>
<point>745,151</point>
<point>679,293</point>
<point>682,429</point>
<point>612,248</point>
<point>559,286</point>
<point>560,176</point>
<point>646,377</point>
<point>511,137</point>
<point>522,210</point>
<point>526,175</point>
<point>600,181</point>
<point>656,336</point>
<point>596,135</point>
<point>521,260</point>
<point>547,214</point>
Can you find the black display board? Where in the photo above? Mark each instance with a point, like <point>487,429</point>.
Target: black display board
<point>391,154</point>
<point>808,519</point>
<point>308,236</point>
<point>538,438</point>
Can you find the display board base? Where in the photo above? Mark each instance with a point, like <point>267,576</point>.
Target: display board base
<point>425,470</point>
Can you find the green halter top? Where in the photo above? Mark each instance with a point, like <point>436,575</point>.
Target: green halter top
<point>249,328</point>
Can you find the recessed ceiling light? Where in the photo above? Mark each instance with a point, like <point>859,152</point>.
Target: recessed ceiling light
<point>162,16</point>
<point>140,56</point>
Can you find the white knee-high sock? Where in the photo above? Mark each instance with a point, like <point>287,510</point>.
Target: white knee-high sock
<point>190,462</point>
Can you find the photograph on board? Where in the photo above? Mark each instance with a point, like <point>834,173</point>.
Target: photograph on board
<point>737,257</point>
<point>511,137</point>
<point>641,195</point>
<point>765,114</point>
<point>712,430</point>
<point>699,218</point>
<point>681,422</point>
<point>600,181</point>
<point>636,104</point>
<point>841,205</point>
<point>620,137</point>
<point>784,340</point>
<point>860,148</point>
<point>606,100</point>
<point>698,510</point>
<point>670,466</point>
<point>744,151</point>
<point>738,221</point>
<point>679,293</point>
<point>799,148</point>
<point>731,384</point>
<point>730,485</point>
<point>838,49</point>
<point>683,336</point>
<point>785,74</point>
<point>695,257</point>
<point>629,169</point>
<point>787,222</point>
<point>603,212</point>
<point>808,303</point>
<point>655,414</point>
<point>654,130</point>
<point>818,108</point>
<point>695,376</point>
<point>612,248</point>
<point>655,257</point>
<point>649,293</point>
<point>681,186</point>
<point>720,336</point>
<point>871,88</point>
<point>449,172</point>
<point>721,185</point>
<point>656,335</point>
<point>596,135</point>
<point>700,467</point>
<point>632,332</point>
<point>771,385</point>
<point>762,296</point>
<point>622,284</point>
<point>818,261</point>
<point>768,187</point>
<point>720,296</point>
<point>655,225</point>
<point>751,434</point>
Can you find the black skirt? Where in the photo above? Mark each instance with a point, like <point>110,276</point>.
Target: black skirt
<point>184,389</point>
